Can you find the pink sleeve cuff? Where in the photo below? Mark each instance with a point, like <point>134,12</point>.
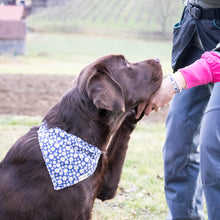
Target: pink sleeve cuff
<point>203,71</point>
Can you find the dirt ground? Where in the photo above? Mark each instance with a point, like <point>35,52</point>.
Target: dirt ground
<point>34,95</point>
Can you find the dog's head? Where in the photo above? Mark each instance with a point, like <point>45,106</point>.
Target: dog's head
<point>114,84</point>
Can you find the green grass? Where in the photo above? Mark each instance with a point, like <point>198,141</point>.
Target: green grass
<point>70,53</point>
<point>13,127</point>
<point>140,194</point>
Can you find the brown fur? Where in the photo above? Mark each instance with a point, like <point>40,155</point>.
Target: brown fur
<point>98,108</point>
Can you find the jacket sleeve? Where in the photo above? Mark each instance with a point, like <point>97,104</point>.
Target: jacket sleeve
<point>204,70</point>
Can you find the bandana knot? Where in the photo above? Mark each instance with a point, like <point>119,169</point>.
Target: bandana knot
<point>68,158</point>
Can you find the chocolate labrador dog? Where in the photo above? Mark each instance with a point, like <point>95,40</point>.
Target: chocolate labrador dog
<point>76,155</point>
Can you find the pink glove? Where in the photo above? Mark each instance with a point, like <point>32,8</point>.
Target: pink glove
<point>203,71</point>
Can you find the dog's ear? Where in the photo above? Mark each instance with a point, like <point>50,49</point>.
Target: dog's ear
<point>104,91</point>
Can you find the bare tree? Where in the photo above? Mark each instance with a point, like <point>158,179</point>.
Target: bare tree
<point>44,3</point>
<point>164,11</point>
<point>39,3</point>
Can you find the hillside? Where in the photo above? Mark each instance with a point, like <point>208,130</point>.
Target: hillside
<point>128,17</point>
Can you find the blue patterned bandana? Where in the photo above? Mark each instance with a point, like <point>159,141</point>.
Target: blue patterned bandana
<point>68,158</point>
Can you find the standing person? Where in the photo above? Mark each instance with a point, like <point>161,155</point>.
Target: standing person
<point>201,72</point>
<point>198,31</point>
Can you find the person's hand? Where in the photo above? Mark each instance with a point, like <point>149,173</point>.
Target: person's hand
<point>162,97</point>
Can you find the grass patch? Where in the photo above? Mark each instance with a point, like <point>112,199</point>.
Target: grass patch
<point>6,120</point>
<point>13,127</point>
<point>70,53</point>
<point>140,194</point>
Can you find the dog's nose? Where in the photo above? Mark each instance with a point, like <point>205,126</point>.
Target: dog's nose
<point>157,60</point>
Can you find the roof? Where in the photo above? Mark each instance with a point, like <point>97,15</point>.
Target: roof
<point>11,12</point>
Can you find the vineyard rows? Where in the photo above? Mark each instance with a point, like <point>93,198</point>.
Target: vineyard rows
<point>124,15</point>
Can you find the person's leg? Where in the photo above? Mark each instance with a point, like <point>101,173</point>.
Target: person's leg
<point>181,158</point>
<point>210,154</point>
<point>183,189</point>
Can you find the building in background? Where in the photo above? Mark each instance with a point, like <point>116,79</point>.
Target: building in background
<point>12,29</point>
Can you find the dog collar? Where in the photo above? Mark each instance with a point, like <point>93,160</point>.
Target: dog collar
<point>68,158</point>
